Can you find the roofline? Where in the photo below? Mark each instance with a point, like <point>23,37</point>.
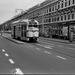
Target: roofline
<point>43,6</point>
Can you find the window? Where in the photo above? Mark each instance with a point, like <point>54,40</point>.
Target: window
<point>65,3</point>
<point>62,4</point>
<point>69,2</point>
<point>58,18</point>
<point>24,27</point>
<point>62,18</point>
<point>59,5</point>
<point>52,19</point>
<point>49,9</point>
<point>49,19</point>
<point>52,8</point>
<point>72,15</point>
<point>21,27</point>
<point>56,7</point>
<point>68,16</point>
<point>73,1</point>
<point>55,19</point>
<point>65,17</point>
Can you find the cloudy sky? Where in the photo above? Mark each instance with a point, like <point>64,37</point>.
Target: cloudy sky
<point>8,7</point>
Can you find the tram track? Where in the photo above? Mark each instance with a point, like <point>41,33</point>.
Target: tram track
<point>55,48</point>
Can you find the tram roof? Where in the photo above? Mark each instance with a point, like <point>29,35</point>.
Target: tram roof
<point>27,21</point>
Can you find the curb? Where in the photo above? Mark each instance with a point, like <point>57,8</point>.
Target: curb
<point>13,40</point>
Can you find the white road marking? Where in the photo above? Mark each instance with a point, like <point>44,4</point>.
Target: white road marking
<point>47,46</point>
<point>71,48</point>
<point>11,61</point>
<point>39,45</point>
<point>6,55</point>
<point>38,48</point>
<point>47,52</point>
<point>46,43</point>
<point>61,57</point>
<point>60,46</point>
<point>3,50</point>
<point>31,46</point>
<point>17,71</point>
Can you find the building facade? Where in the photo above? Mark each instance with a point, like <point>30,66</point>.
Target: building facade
<point>53,16</point>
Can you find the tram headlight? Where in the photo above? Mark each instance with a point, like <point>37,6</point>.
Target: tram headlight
<point>66,34</point>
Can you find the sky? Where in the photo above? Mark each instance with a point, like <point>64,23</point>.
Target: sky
<point>8,8</point>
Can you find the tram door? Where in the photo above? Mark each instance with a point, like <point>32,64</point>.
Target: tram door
<point>25,30</point>
<point>14,28</point>
<point>22,31</point>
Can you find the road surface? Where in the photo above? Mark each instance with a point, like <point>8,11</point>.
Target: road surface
<point>44,57</point>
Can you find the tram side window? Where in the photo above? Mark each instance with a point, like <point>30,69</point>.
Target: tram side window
<point>30,25</point>
<point>25,30</point>
<point>24,27</point>
<point>22,30</point>
<point>74,30</point>
<point>21,27</point>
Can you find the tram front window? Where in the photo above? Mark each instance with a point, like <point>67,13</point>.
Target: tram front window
<point>33,26</point>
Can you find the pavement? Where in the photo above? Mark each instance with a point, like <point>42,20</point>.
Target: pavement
<point>8,36</point>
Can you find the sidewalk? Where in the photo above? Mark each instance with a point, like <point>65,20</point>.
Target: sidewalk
<point>8,36</point>
<point>58,40</point>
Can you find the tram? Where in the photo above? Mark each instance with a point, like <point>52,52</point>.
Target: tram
<point>25,30</point>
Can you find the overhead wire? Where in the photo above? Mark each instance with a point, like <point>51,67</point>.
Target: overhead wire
<point>29,3</point>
